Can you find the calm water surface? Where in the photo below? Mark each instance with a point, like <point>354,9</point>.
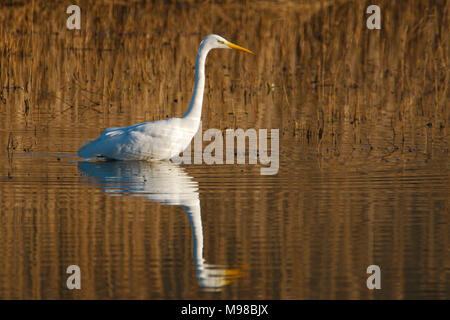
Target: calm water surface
<point>140,230</point>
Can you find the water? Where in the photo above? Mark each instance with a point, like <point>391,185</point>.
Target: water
<point>165,231</point>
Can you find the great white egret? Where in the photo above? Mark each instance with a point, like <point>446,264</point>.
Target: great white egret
<point>163,139</point>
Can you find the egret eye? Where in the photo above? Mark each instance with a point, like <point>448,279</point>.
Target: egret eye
<point>220,41</point>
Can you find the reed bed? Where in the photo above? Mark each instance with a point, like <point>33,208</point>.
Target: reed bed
<point>319,75</point>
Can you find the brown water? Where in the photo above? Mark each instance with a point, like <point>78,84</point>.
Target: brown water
<point>308,232</point>
<point>364,173</point>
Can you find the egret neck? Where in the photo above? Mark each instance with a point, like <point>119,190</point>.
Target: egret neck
<point>194,112</point>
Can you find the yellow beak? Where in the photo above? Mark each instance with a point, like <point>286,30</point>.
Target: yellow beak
<point>235,46</point>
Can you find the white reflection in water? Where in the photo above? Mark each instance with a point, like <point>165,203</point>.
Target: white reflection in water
<point>167,183</point>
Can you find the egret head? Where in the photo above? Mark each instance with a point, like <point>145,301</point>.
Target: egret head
<point>213,41</point>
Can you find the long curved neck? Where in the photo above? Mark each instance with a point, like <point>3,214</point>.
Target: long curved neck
<point>194,111</point>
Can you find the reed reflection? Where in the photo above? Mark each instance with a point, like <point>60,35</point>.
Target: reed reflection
<point>169,184</point>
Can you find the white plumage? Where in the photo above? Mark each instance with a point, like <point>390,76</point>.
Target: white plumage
<point>157,140</point>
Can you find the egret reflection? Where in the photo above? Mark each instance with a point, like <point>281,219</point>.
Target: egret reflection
<point>169,184</point>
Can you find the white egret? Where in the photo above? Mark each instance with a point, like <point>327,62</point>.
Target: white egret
<point>164,139</point>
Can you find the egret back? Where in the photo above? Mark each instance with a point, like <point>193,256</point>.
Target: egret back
<point>159,140</point>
